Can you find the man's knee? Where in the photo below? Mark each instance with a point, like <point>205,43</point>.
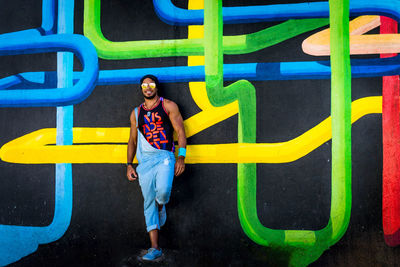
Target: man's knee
<point>163,196</point>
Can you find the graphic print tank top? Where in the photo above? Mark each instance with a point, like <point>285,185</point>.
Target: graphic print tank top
<point>156,127</point>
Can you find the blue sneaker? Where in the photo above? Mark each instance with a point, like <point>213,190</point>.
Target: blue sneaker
<point>162,216</point>
<point>152,254</point>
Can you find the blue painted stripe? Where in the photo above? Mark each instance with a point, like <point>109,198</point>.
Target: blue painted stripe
<point>77,44</point>
<point>63,190</point>
<point>173,15</point>
<point>48,26</point>
<point>19,241</point>
<point>49,17</point>
<point>250,71</point>
<point>12,80</point>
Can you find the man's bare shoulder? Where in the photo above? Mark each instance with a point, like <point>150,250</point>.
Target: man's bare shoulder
<point>170,105</point>
<point>169,102</point>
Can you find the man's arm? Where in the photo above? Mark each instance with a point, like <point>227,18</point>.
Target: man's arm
<point>132,143</point>
<point>177,122</point>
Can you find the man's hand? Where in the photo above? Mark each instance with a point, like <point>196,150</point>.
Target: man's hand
<point>179,166</point>
<point>131,173</point>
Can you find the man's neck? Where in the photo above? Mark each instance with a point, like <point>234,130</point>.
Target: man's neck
<point>150,103</point>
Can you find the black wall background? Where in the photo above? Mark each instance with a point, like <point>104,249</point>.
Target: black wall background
<point>107,226</point>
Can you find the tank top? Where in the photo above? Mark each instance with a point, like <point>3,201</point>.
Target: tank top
<point>156,126</point>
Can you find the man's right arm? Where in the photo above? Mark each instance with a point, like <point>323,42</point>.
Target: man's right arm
<point>132,144</point>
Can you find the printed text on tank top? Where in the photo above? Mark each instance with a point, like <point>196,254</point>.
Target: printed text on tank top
<point>156,126</point>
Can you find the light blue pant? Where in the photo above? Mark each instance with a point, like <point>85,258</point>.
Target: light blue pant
<point>156,173</point>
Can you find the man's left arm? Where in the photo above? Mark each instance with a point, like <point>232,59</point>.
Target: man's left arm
<point>177,122</point>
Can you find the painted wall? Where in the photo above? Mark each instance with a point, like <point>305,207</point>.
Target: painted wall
<point>290,161</point>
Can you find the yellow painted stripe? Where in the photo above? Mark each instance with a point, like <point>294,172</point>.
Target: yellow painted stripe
<point>36,148</point>
<point>209,115</point>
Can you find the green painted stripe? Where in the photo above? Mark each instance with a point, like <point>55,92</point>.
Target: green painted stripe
<point>341,118</point>
<point>302,246</point>
<point>187,47</point>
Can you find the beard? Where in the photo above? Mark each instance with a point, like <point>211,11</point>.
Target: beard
<point>149,97</point>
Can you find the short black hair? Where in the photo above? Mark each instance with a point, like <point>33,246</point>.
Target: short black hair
<point>154,78</point>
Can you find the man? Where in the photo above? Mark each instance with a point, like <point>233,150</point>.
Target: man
<point>151,138</point>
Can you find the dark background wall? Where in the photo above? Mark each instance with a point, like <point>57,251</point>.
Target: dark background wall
<point>203,229</point>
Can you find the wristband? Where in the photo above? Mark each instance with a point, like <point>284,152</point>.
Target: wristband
<point>129,163</point>
<point>182,152</point>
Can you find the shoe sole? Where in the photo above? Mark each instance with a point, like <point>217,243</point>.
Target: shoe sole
<point>158,259</point>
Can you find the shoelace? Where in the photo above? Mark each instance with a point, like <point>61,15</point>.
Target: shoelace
<point>152,250</point>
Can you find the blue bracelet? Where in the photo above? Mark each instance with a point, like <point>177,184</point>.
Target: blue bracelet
<point>182,152</point>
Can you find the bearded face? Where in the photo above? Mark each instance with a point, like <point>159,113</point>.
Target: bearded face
<point>149,89</point>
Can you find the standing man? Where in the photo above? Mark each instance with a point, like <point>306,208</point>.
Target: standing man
<point>151,138</point>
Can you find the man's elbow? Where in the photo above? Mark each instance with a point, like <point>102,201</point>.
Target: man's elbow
<point>131,142</point>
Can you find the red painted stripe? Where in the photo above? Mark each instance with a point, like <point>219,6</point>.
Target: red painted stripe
<point>391,148</point>
<point>393,240</point>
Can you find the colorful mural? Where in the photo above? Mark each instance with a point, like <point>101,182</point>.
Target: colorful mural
<point>19,241</point>
<point>206,73</point>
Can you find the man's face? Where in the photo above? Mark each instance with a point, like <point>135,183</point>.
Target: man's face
<point>149,89</point>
